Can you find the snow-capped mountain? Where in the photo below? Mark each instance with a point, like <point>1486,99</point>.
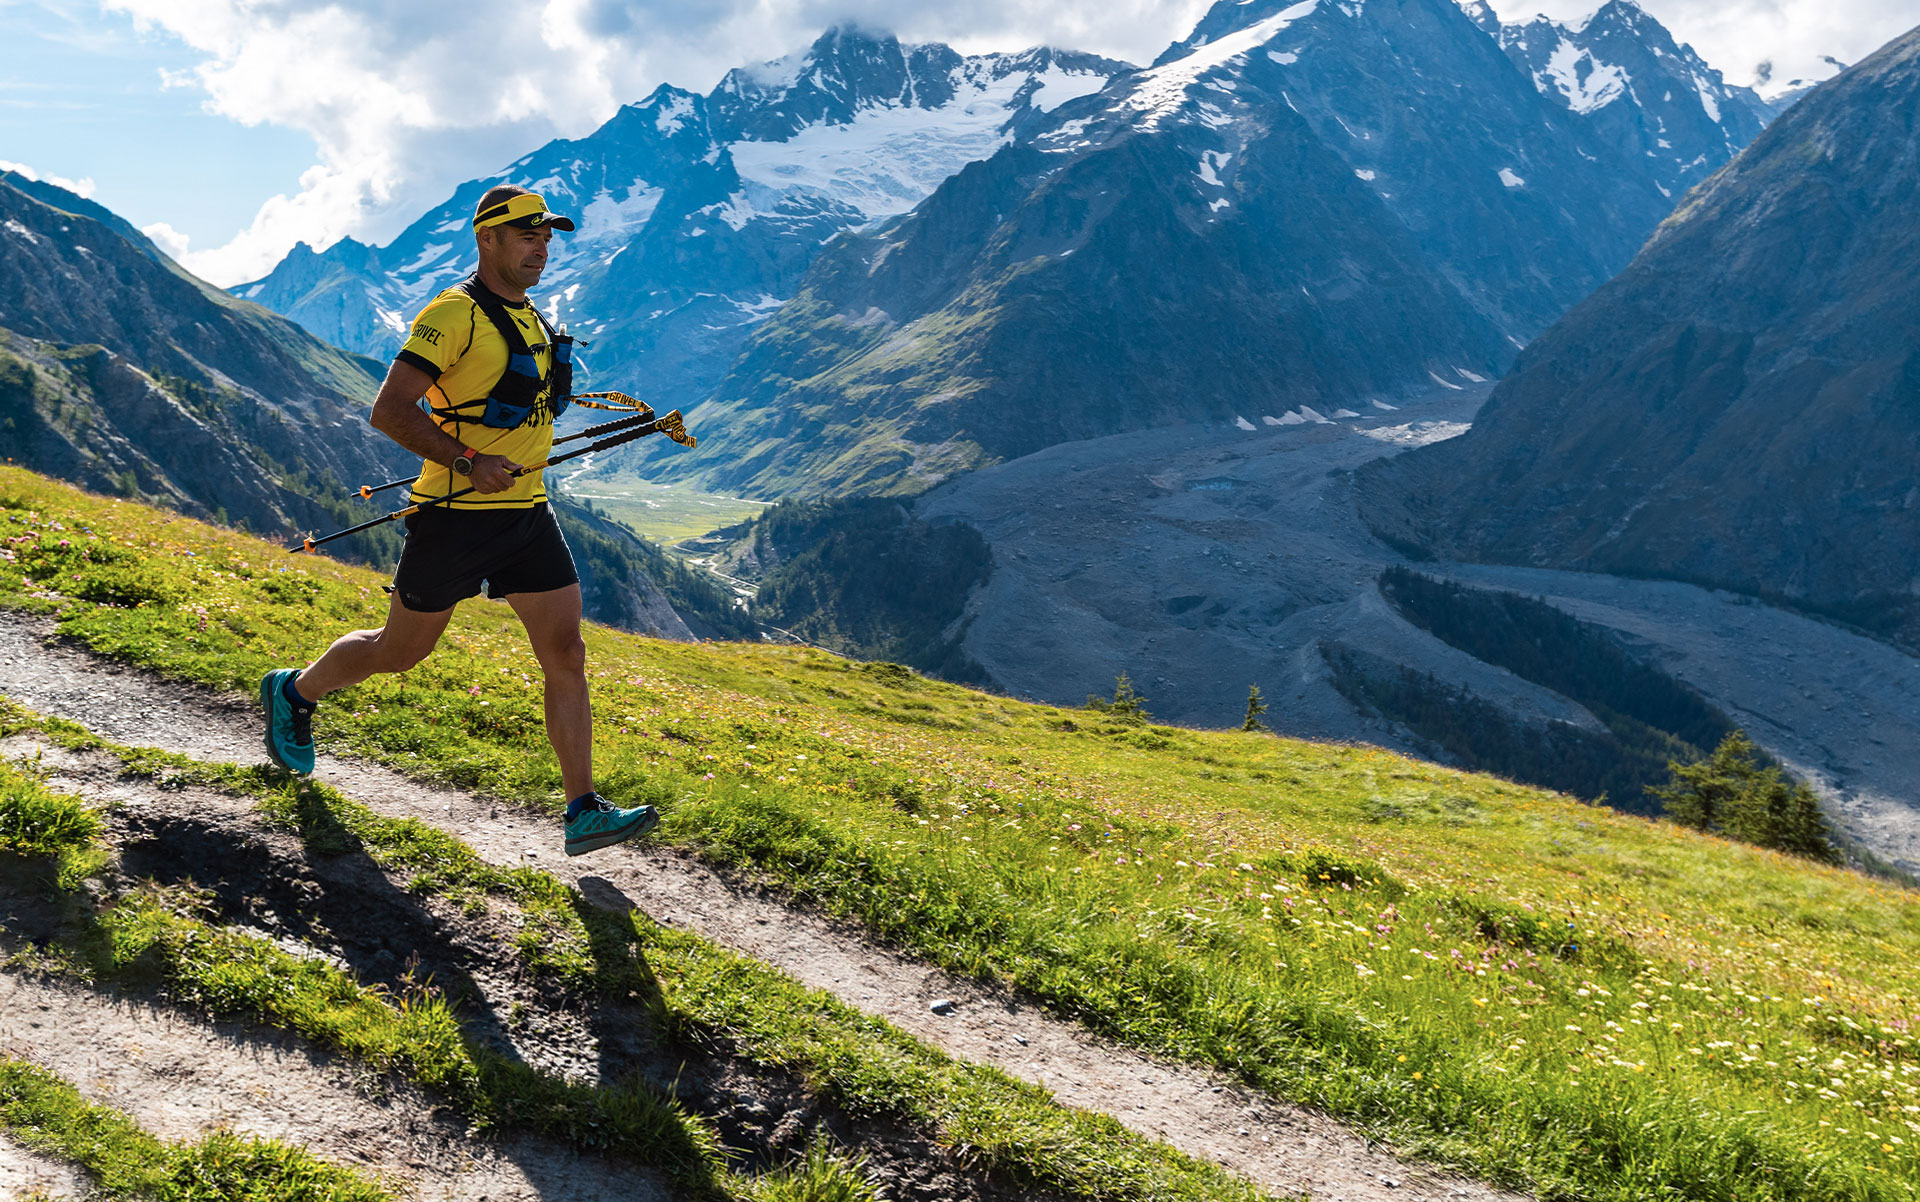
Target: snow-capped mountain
<point>1302,203</point>
<point>698,214</point>
<point>1648,95</point>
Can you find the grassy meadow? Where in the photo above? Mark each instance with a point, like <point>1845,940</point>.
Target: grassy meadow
<point>666,513</point>
<point>1541,992</point>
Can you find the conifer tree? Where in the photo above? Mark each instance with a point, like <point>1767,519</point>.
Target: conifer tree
<point>1126,702</point>
<point>1127,705</point>
<point>1700,795</point>
<point>1255,707</point>
<point>1730,793</point>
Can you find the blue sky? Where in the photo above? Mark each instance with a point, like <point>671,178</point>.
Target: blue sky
<point>230,129</point>
<point>82,97</point>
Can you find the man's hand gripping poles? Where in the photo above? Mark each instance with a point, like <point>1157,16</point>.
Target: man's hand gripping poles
<point>623,430</point>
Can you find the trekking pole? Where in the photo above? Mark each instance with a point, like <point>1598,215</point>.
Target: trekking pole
<point>669,424</point>
<point>609,400</point>
<point>367,490</point>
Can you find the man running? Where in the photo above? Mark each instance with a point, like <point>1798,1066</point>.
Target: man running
<point>494,376</point>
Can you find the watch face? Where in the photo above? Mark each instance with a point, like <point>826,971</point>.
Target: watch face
<point>462,465</point>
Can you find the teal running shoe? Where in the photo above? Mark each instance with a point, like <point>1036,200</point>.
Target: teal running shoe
<point>602,824</point>
<point>289,726</point>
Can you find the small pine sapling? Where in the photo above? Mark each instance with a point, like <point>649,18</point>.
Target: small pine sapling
<point>1255,707</point>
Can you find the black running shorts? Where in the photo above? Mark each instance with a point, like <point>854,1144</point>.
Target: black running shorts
<point>451,553</point>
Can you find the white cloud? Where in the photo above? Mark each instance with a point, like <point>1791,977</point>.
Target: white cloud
<point>82,188</point>
<point>405,100</point>
<point>168,239</point>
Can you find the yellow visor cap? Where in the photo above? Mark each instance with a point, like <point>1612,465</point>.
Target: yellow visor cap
<point>527,210</point>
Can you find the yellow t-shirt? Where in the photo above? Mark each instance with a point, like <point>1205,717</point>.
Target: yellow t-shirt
<point>455,342</point>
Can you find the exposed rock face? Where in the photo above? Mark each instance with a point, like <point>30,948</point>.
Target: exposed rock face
<point>1654,100</point>
<point>1741,407</point>
<point>1300,204</point>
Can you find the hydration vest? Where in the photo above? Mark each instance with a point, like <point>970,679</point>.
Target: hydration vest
<point>517,392</point>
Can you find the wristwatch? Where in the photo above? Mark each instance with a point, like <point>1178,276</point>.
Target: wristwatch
<point>463,462</point>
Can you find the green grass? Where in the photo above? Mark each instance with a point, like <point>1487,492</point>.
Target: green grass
<point>664,513</point>
<point>46,1114</point>
<point>693,987</point>
<point>1538,991</point>
<point>37,824</point>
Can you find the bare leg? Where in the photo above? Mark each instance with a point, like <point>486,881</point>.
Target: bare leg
<point>552,620</point>
<point>404,641</point>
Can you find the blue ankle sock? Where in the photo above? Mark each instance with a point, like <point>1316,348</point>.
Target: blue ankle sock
<point>583,802</point>
<point>293,694</point>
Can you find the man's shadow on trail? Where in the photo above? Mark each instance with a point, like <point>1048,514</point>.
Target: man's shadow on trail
<point>342,898</point>
<point>620,962</point>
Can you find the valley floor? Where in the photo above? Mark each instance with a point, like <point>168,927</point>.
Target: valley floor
<point>1201,560</point>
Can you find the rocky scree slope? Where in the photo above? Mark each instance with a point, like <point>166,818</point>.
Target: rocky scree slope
<point>1302,203</point>
<point>1741,407</point>
<point>698,214</point>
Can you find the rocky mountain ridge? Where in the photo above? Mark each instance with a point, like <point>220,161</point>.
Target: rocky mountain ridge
<point>129,376</point>
<point>121,372</point>
<point>1651,97</point>
<point>1300,206</point>
<point>698,214</point>
<point>1741,406</point>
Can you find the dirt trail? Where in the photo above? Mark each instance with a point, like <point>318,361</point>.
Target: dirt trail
<point>1282,1147</point>
<point>180,1079</point>
<point>23,1172</point>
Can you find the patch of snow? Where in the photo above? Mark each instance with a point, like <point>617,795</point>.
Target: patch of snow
<point>1313,415</point>
<point>1511,180</point>
<point>1465,374</point>
<point>1056,86</point>
<point>1584,81</point>
<point>1285,58</point>
<point>14,227</point>
<point>672,115</point>
<point>1364,173</point>
<point>1158,93</point>
<point>1418,434</point>
<point>1243,423</point>
<point>1345,413</point>
<point>736,212</point>
<point>433,252</point>
<point>254,291</point>
<point>1217,205</point>
<point>1449,385</point>
<point>458,223</point>
<point>889,158</point>
<point>1210,162</point>
<point>1291,419</point>
<point>605,217</point>
<point>1708,100</point>
<point>1273,421</point>
<point>759,310</point>
<point>1384,405</point>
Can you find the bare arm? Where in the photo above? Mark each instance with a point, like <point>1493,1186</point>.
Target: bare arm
<point>397,414</point>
